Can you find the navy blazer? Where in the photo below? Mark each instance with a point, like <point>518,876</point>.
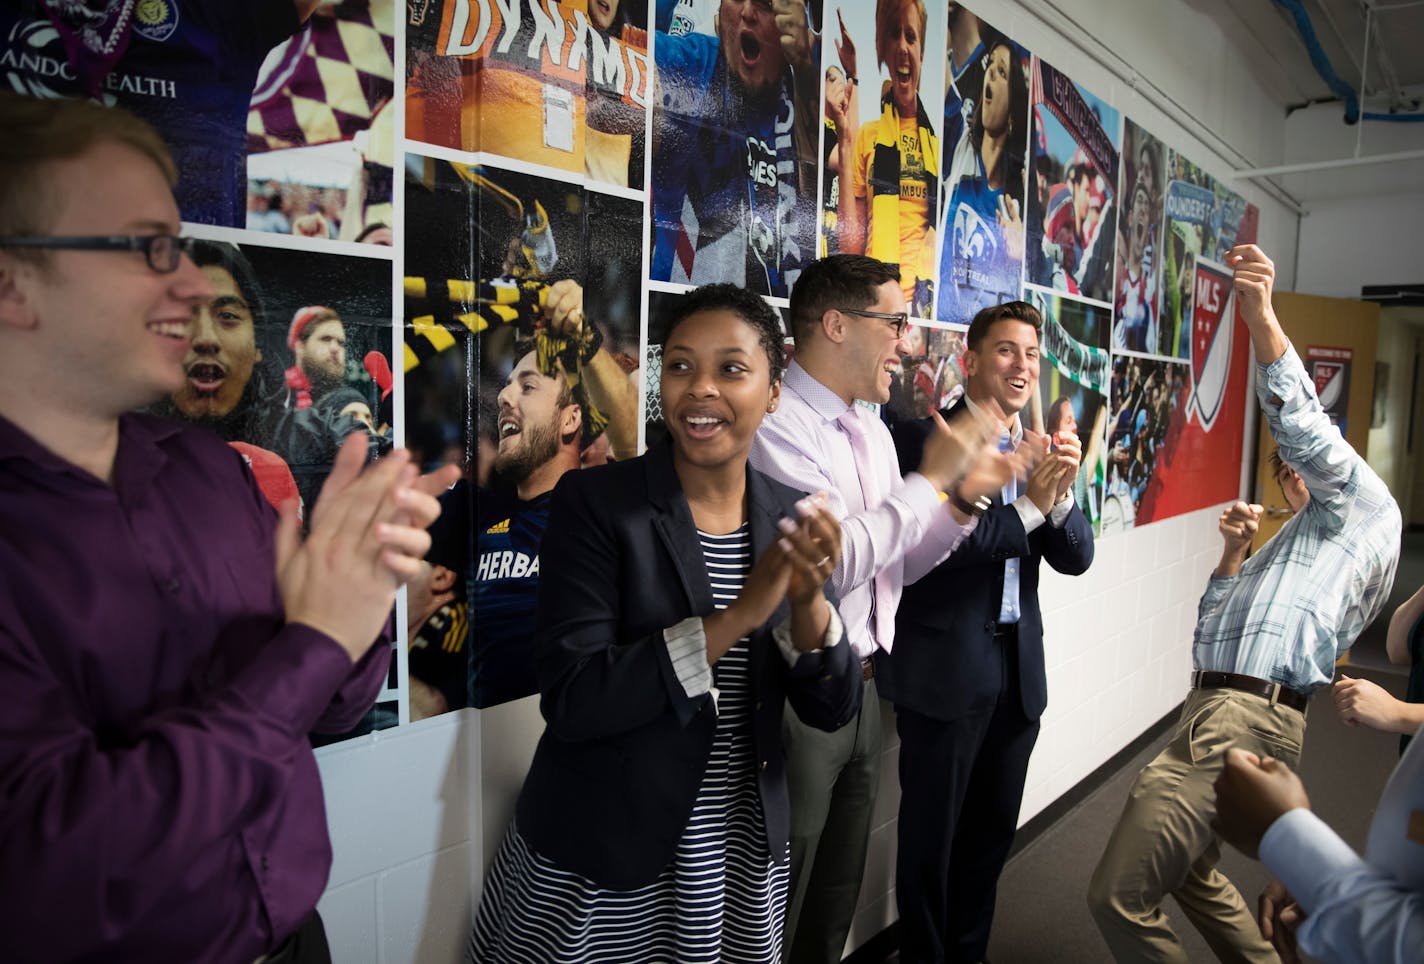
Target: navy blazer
<point>945,662</point>
<point>616,772</point>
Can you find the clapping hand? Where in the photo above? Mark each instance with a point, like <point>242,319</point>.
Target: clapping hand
<point>367,538</point>
<point>812,547</point>
<point>1053,467</point>
<point>794,567</point>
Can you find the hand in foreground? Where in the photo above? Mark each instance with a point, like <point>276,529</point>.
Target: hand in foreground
<point>419,508</point>
<point>1238,526</point>
<point>1278,916</point>
<point>955,447</point>
<point>367,537</point>
<point>988,475</point>
<point>813,550</point>
<point>1251,794</point>
<point>1360,701</point>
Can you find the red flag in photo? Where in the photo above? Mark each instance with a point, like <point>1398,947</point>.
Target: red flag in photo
<point>1199,464</point>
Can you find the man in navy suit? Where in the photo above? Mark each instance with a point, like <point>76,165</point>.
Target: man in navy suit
<point>967,676</point>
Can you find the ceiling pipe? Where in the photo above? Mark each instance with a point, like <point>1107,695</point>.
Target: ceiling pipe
<point>1323,67</point>
<point>1329,165</point>
<point>1326,70</point>
<point>1110,60</point>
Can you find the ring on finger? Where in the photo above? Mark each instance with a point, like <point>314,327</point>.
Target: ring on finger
<point>822,561</point>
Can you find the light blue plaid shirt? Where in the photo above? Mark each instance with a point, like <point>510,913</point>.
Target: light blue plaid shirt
<point>1299,602</point>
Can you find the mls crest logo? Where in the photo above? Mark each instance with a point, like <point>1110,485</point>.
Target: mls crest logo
<point>1328,382</point>
<point>1212,312</point>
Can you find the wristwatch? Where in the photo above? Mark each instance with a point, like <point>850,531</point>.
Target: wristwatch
<point>972,509</point>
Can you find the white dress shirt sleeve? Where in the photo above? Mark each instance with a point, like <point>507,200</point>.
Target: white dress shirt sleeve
<point>687,647</point>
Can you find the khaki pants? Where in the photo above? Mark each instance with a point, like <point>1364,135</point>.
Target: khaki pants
<point>1164,844</point>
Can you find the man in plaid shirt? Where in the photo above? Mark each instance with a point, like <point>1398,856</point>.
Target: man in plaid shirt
<point>1269,631</point>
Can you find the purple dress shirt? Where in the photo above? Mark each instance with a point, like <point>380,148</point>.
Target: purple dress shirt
<point>158,795</point>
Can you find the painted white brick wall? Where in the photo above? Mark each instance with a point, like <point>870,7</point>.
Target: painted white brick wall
<point>402,809</point>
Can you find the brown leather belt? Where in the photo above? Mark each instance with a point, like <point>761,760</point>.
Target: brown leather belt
<point>1211,680</point>
<point>867,669</point>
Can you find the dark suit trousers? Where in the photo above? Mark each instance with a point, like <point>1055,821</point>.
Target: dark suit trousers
<point>961,783</point>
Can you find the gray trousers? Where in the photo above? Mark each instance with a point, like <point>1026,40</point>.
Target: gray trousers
<point>833,779</point>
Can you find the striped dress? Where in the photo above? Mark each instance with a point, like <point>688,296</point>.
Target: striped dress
<point>721,900</point>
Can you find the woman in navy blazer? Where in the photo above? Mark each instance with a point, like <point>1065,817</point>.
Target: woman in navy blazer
<point>653,822</point>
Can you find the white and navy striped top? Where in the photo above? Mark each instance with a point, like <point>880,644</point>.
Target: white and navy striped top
<point>722,899</point>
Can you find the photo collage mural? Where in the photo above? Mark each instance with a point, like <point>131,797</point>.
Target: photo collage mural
<point>454,225</point>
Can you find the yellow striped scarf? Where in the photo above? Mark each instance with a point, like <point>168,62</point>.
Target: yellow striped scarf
<point>884,240</point>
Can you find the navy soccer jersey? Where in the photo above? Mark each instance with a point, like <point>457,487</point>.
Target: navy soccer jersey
<point>506,582</point>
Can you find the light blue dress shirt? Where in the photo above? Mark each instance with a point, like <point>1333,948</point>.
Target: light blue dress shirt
<point>1361,910</point>
<point>1303,598</point>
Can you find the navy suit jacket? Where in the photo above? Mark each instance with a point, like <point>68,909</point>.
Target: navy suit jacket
<point>945,662</point>
<point>616,773</point>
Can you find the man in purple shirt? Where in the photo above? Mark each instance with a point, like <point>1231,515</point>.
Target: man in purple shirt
<point>166,642</point>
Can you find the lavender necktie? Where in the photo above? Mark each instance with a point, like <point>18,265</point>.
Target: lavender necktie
<point>882,609</point>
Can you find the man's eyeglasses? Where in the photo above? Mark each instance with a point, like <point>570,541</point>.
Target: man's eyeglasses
<point>163,251</point>
<point>901,319</point>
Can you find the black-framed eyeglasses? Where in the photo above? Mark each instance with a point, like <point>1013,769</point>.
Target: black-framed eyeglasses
<point>901,319</point>
<point>162,251</point>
